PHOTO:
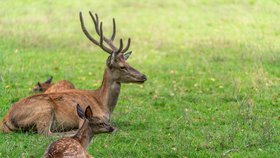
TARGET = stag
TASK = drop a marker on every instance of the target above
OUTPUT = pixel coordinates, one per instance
(55, 112)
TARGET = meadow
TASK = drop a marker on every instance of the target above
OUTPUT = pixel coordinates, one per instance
(213, 69)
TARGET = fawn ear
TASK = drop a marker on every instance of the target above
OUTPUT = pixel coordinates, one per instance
(88, 112)
(39, 84)
(80, 112)
(49, 80)
(126, 55)
(38, 87)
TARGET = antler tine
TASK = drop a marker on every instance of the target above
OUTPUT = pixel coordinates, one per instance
(101, 34)
(114, 30)
(120, 47)
(127, 46)
(101, 40)
(110, 41)
(85, 30)
(97, 29)
(95, 21)
(91, 38)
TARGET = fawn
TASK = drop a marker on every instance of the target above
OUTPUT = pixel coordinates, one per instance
(42, 87)
(48, 112)
(48, 87)
(76, 146)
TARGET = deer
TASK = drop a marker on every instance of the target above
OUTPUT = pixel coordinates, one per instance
(76, 145)
(42, 87)
(48, 87)
(47, 113)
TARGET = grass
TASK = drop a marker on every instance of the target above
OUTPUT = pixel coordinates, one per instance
(213, 72)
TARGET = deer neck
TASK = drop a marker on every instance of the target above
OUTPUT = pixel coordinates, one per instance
(84, 135)
(109, 91)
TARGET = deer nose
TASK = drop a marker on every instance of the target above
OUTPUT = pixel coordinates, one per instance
(144, 78)
(111, 129)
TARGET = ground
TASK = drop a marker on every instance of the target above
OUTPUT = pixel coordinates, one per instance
(213, 69)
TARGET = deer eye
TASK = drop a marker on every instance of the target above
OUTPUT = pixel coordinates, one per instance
(101, 124)
(122, 67)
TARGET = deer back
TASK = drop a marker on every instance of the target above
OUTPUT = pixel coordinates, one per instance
(59, 86)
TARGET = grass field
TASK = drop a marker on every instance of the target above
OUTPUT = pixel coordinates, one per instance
(213, 71)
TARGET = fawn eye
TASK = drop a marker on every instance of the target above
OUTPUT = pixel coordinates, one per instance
(122, 67)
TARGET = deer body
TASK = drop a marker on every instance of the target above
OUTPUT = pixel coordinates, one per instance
(66, 147)
(76, 146)
(56, 111)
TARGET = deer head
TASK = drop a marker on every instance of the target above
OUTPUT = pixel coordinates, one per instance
(116, 63)
(94, 123)
(41, 87)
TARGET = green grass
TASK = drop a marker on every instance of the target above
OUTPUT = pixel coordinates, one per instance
(213, 70)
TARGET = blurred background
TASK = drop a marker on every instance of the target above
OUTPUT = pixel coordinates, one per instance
(213, 71)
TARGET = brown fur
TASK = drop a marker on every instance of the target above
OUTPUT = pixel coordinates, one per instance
(60, 86)
(66, 147)
(49, 112)
(52, 88)
(76, 146)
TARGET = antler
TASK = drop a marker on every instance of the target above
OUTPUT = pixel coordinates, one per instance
(99, 31)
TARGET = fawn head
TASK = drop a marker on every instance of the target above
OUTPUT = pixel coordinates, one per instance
(42, 87)
(96, 124)
(119, 69)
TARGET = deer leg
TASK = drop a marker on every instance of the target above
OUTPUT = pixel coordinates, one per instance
(69, 133)
(64, 134)
(44, 123)
(6, 127)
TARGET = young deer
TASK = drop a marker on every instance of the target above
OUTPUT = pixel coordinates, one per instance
(48, 87)
(56, 111)
(76, 146)
(42, 87)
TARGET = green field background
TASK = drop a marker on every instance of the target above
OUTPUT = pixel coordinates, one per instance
(213, 69)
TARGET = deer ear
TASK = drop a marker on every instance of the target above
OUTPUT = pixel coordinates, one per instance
(49, 80)
(38, 87)
(80, 112)
(39, 84)
(88, 112)
(126, 55)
